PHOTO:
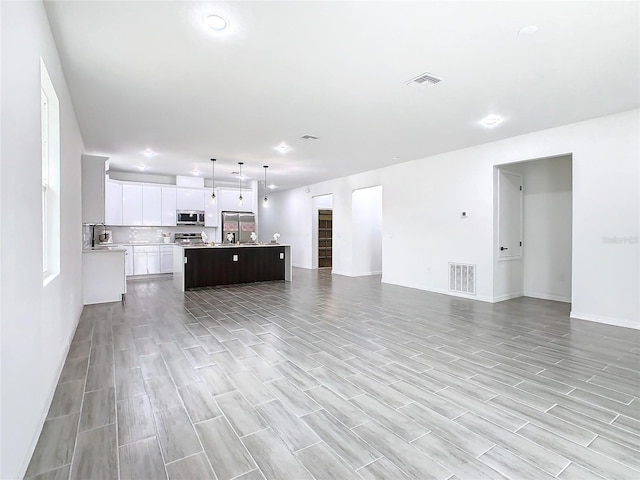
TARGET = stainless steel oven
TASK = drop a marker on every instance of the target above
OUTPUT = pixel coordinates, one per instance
(189, 217)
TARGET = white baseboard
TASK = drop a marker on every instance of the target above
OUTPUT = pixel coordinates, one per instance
(361, 274)
(618, 322)
(508, 296)
(480, 298)
(546, 296)
(52, 391)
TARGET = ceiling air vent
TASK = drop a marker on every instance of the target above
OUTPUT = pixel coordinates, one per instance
(309, 137)
(424, 79)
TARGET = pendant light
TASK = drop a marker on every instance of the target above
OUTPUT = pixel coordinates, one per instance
(240, 199)
(265, 200)
(213, 180)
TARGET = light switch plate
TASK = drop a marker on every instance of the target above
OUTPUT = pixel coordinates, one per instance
(281, 256)
(235, 258)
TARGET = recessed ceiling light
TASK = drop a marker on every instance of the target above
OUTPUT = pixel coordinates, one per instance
(528, 30)
(396, 159)
(142, 167)
(272, 186)
(491, 120)
(216, 22)
(283, 148)
(196, 172)
(149, 153)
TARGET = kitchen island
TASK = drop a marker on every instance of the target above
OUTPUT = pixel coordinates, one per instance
(208, 265)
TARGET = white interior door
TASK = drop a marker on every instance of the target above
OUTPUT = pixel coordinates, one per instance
(509, 215)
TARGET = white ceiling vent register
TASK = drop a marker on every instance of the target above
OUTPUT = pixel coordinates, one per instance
(462, 278)
(425, 79)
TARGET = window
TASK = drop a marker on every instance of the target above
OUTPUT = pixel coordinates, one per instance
(50, 133)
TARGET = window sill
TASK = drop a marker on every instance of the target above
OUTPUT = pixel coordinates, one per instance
(48, 278)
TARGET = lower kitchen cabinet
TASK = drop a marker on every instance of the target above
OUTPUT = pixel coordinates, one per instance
(128, 261)
(228, 265)
(103, 275)
(146, 259)
(166, 259)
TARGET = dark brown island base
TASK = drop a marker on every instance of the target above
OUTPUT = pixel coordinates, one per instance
(209, 266)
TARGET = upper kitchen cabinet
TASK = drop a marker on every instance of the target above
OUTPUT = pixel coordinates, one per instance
(113, 214)
(131, 204)
(93, 188)
(210, 209)
(189, 199)
(151, 205)
(169, 206)
(228, 200)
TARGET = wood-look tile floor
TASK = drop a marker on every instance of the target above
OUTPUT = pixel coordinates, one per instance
(340, 378)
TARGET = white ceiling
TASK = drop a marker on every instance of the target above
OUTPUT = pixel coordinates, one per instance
(151, 74)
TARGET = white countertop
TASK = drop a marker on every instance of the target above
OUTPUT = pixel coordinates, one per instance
(142, 244)
(242, 245)
(104, 248)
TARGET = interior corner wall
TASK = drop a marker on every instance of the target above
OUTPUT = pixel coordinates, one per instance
(37, 322)
(366, 222)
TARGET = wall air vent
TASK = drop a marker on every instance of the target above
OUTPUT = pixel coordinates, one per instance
(462, 278)
(309, 137)
(425, 79)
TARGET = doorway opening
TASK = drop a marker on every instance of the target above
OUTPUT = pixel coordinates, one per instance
(322, 249)
(325, 236)
(533, 229)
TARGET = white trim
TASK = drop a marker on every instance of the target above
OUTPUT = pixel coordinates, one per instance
(361, 274)
(548, 296)
(508, 296)
(618, 322)
(480, 298)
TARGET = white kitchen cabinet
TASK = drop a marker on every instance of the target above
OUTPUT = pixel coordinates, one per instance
(166, 259)
(189, 199)
(153, 261)
(113, 215)
(128, 261)
(93, 174)
(168, 206)
(211, 217)
(132, 204)
(228, 200)
(146, 259)
(151, 205)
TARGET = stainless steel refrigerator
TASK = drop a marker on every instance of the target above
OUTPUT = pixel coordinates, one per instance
(238, 226)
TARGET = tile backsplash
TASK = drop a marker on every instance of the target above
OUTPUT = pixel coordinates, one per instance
(143, 234)
(154, 234)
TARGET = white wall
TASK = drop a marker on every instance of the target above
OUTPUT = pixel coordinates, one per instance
(366, 222)
(37, 321)
(547, 228)
(430, 193)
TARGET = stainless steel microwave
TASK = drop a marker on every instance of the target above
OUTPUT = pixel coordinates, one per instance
(189, 217)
